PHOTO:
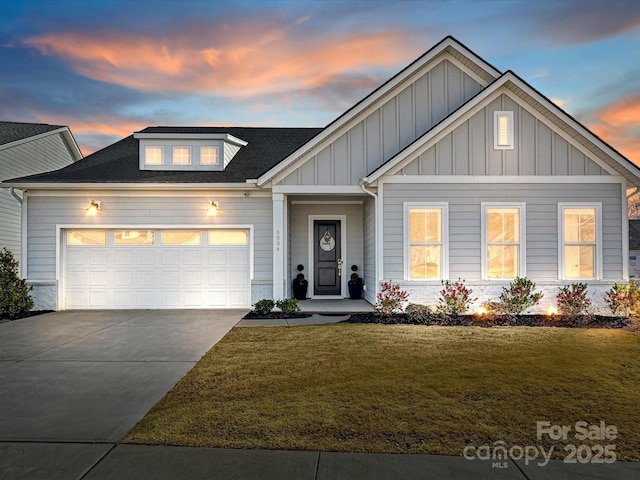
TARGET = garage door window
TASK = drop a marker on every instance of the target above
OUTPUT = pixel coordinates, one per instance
(228, 237)
(87, 237)
(181, 237)
(133, 237)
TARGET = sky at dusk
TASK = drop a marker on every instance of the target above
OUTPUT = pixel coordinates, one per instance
(107, 68)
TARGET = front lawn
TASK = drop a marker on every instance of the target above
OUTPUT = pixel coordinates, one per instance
(402, 389)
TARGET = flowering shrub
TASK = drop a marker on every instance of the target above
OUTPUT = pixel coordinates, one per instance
(572, 300)
(390, 300)
(519, 297)
(455, 298)
(623, 299)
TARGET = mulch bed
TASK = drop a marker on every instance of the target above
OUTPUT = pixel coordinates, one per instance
(581, 321)
(24, 315)
(274, 315)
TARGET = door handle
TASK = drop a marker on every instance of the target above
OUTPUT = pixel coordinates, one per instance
(339, 267)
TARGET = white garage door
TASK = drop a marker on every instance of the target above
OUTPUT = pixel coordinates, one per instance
(156, 268)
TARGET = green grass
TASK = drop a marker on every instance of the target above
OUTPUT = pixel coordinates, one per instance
(401, 389)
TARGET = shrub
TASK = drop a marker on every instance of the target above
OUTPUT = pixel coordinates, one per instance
(572, 300)
(288, 305)
(519, 297)
(15, 294)
(420, 314)
(390, 300)
(455, 298)
(623, 299)
(264, 306)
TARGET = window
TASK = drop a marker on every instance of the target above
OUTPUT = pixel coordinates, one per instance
(503, 241)
(579, 241)
(153, 156)
(208, 155)
(181, 156)
(133, 237)
(426, 231)
(503, 130)
(228, 237)
(87, 237)
(181, 237)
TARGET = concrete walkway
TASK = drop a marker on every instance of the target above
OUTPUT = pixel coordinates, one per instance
(73, 383)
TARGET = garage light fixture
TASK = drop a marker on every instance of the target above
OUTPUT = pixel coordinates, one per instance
(94, 207)
(213, 208)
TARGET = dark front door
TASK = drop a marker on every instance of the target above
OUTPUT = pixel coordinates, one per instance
(326, 257)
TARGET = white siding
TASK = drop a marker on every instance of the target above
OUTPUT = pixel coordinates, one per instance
(36, 156)
(45, 212)
(468, 149)
(541, 228)
(388, 129)
(369, 250)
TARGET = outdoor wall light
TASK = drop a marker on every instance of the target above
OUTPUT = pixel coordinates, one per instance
(213, 208)
(94, 207)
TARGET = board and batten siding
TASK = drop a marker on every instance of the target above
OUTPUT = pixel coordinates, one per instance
(36, 156)
(46, 212)
(300, 245)
(465, 216)
(388, 129)
(468, 149)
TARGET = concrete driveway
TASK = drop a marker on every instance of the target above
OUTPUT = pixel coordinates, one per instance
(83, 379)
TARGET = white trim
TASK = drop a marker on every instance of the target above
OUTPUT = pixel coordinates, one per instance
(327, 202)
(406, 241)
(64, 131)
(522, 244)
(343, 253)
(504, 179)
(598, 274)
(380, 236)
(279, 257)
(497, 115)
(61, 245)
(625, 232)
(142, 190)
(24, 225)
(373, 101)
(317, 189)
(191, 136)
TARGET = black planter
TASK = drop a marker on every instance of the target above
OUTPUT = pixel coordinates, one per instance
(355, 289)
(300, 286)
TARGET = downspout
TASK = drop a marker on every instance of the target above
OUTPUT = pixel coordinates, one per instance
(376, 231)
(16, 196)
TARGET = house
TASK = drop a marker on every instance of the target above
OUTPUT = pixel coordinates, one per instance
(634, 249)
(451, 169)
(26, 149)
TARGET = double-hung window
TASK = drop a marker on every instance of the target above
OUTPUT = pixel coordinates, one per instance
(503, 239)
(580, 244)
(426, 241)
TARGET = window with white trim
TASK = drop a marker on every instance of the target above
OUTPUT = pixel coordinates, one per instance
(426, 235)
(503, 130)
(153, 155)
(181, 156)
(503, 241)
(580, 244)
(208, 155)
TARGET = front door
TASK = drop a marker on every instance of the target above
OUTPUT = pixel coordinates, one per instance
(326, 256)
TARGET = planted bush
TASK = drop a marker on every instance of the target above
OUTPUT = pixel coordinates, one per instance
(455, 298)
(264, 306)
(421, 314)
(572, 300)
(518, 298)
(623, 299)
(15, 294)
(288, 305)
(390, 300)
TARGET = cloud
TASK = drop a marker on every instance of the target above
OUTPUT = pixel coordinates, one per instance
(619, 125)
(231, 60)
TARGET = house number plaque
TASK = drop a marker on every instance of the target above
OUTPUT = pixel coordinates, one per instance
(327, 242)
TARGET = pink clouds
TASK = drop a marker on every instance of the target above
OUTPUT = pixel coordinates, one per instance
(225, 60)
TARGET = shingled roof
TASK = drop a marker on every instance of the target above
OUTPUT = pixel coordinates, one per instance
(14, 131)
(119, 163)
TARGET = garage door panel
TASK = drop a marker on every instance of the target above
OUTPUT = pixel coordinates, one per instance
(156, 275)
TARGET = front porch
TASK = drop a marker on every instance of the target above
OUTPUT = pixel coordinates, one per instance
(335, 307)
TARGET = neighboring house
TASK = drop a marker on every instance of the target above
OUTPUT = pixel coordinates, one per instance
(451, 169)
(26, 149)
(634, 249)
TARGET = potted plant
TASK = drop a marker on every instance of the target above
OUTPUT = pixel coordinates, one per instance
(300, 285)
(355, 284)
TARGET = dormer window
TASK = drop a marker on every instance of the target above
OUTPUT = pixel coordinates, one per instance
(503, 130)
(181, 156)
(153, 156)
(208, 155)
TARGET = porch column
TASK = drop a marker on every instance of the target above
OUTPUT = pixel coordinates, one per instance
(278, 246)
